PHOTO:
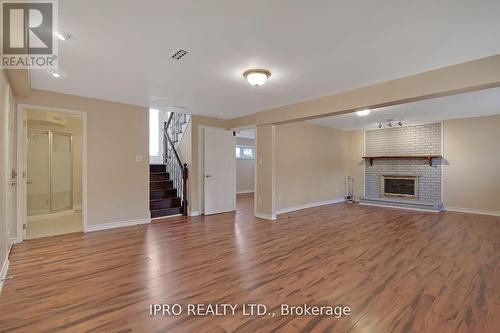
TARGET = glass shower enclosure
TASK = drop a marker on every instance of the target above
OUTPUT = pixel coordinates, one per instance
(50, 172)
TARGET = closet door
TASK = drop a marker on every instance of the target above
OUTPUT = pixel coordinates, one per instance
(62, 172)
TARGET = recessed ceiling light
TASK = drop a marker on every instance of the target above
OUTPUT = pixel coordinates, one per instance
(61, 35)
(257, 77)
(363, 112)
(55, 74)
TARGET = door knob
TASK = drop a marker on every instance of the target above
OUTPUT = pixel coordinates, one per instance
(208, 176)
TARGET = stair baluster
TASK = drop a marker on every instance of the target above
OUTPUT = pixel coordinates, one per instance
(178, 170)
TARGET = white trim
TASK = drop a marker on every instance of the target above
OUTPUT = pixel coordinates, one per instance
(22, 212)
(194, 213)
(243, 192)
(442, 160)
(164, 217)
(3, 273)
(21, 183)
(265, 216)
(400, 207)
(309, 205)
(364, 165)
(118, 224)
(473, 211)
(50, 216)
(255, 166)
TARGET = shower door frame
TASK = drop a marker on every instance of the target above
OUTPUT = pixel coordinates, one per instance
(71, 171)
(22, 150)
(50, 175)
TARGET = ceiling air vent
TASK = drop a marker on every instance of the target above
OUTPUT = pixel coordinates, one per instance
(179, 54)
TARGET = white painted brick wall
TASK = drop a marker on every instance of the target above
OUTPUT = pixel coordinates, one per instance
(410, 140)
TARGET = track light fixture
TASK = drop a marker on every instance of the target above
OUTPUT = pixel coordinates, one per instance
(389, 123)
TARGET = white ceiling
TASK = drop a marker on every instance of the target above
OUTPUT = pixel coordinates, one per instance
(121, 49)
(472, 104)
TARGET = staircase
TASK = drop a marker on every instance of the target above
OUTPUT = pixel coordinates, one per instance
(168, 181)
(163, 199)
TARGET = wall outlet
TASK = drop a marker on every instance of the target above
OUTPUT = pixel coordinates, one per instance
(138, 158)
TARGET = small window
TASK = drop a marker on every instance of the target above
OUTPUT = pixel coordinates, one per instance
(245, 152)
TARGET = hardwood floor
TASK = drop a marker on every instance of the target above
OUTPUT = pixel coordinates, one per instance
(398, 271)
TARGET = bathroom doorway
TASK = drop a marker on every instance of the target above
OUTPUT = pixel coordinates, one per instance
(54, 176)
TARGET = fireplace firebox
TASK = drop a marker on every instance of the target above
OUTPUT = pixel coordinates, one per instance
(399, 186)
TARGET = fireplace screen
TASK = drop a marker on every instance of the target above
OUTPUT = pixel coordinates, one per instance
(400, 186)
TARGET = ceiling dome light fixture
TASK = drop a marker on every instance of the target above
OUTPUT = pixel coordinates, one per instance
(257, 77)
(363, 112)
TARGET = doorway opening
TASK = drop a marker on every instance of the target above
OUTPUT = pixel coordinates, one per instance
(245, 170)
(54, 169)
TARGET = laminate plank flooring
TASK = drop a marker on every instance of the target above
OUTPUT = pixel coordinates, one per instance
(397, 270)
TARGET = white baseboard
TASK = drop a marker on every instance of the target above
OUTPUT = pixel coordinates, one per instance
(194, 213)
(400, 207)
(310, 205)
(118, 224)
(50, 216)
(473, 211)
(13, 240)
(265, 216)
(164, 217)
(244, 192)
(3, 273)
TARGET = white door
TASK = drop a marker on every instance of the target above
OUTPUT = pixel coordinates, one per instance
(219, 163)
(11, 174)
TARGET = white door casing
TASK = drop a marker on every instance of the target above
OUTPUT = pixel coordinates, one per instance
(12, 174)
(219, 171)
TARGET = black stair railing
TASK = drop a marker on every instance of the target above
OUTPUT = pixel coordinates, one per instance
(178, 171)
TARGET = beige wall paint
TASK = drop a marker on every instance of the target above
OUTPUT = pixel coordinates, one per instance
(195, 192)
(355, 163)
(310, 164)
(185, 146)
(118, 186)
(265, 183)
(245, 169)
(20, 81)
(472, 159)
(472, 163)
(243, 121)
(74, 126)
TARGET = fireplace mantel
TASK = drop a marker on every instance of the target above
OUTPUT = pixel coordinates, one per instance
(403, 157)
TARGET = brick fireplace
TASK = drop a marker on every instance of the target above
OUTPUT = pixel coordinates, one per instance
(406, 176)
